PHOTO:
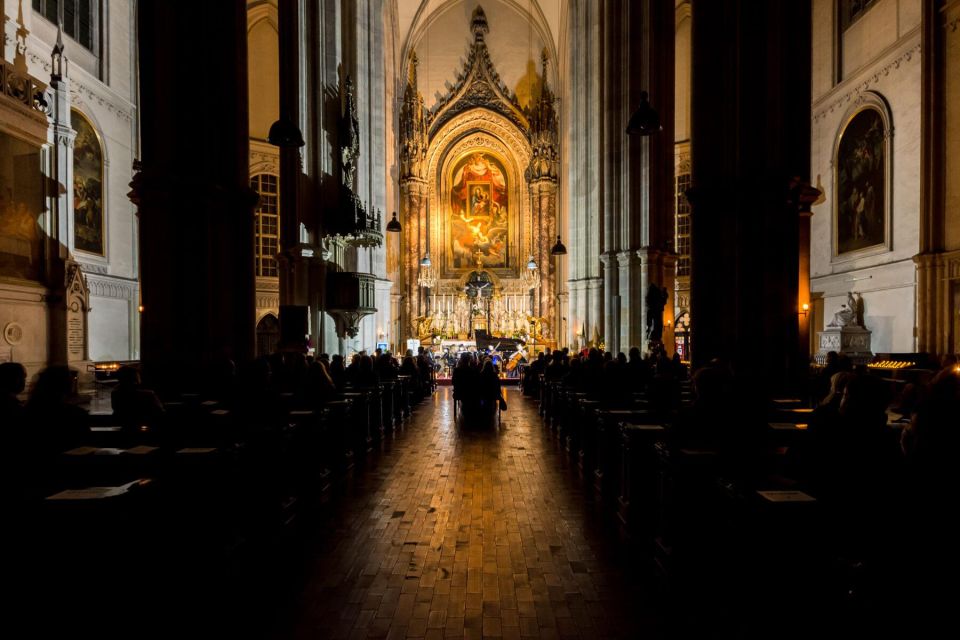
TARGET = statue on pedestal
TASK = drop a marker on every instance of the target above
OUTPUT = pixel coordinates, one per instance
(656, 299)
(850, 313)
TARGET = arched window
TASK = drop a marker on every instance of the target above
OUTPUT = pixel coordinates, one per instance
(267, 224)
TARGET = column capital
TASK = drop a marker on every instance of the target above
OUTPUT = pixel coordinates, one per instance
(608, 258)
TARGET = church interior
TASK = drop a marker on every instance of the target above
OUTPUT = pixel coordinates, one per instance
(480, 318)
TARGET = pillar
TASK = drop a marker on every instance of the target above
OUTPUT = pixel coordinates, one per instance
(750, 139)
(194, 202)
(638, 227)
(294, 269)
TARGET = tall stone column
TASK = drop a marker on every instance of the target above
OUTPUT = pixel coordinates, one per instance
(634, 278)
(639, 46)
(751, 141)
(938, 263)
(544, 210)
(413, 198)
(413, 194)
(192, 192)
(542, 174)
(611, 301)
(294, 269)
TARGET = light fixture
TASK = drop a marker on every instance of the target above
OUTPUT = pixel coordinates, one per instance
(804, 309)
(531, 275)
(285, 134)
(558, 249)
(427, 277)
(645, 121)
(394, 225)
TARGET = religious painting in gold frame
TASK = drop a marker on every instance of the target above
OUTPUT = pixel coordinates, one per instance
(862, 182)
(87, 187)
(478, 203)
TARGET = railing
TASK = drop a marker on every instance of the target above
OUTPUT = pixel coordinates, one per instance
(23, 89)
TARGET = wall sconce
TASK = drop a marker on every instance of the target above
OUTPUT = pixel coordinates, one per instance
(804, 310)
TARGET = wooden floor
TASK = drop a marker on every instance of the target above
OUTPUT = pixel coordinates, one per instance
(485, 531)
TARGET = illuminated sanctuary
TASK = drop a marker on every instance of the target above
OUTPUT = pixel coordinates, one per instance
(692, 266)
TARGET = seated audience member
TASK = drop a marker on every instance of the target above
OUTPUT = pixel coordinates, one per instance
(133, 405)
(13, 380)
(338, 372)
(719, 419)
(55, 423)
(465, 381)
(491, 393)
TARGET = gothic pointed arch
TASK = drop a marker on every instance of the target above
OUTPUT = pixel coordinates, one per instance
(478, 85)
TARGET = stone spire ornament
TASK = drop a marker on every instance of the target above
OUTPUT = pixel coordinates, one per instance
(413, 126)
(542, 133)
(350, 137)
(20, 50)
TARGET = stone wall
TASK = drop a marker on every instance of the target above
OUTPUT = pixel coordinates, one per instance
(880, 53)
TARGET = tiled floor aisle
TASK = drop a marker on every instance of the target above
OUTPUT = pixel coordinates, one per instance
(469, 533)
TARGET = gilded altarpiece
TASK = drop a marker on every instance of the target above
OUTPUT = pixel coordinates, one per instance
(483, 170)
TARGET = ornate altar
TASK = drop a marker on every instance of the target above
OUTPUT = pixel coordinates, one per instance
(478, 177)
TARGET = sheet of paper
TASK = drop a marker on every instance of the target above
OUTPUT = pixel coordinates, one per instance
(92, 493)
(197, 450)
(80, 451)
(787, 496)
(141, 450)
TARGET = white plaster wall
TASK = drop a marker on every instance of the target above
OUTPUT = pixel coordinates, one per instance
(889, 300)
(111, 341)
(24, 305)
(109, 104)
(894, 72)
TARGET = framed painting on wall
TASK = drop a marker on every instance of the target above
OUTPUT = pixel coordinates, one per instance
(87, 186)
(862, 182)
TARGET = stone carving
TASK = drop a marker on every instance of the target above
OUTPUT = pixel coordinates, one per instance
(478, 85)
(845, 315)
(13, 333)
(655, 299)
(109, 289)
(78, 305)
(857, 302)
(349, 137)
(858, 90)
(830, 341)
(542, 117)
(413, 127)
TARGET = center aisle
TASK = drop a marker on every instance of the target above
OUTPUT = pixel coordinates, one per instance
(468, 532)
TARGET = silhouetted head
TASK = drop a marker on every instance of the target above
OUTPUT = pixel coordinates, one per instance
(13, 378)
(128, 375)
(54, 386)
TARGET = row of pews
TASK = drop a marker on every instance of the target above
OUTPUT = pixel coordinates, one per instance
(735, 546)
(188, 525)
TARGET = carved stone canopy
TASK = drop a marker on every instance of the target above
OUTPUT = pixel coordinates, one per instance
(478, 85)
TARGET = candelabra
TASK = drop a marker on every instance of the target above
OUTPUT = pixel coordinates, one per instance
(427, 278)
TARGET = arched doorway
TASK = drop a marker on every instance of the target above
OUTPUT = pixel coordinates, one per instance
(268, 335)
